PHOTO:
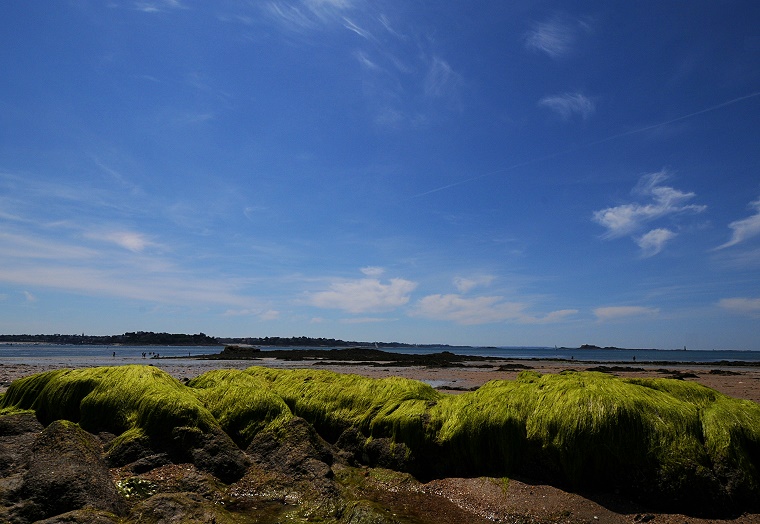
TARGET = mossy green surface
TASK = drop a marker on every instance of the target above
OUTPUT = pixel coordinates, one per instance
(332, 402)
(242, 404)
(583, 429)
(136, 400)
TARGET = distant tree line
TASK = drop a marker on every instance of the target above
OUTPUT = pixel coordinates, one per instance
(148, 338)
(135, 338)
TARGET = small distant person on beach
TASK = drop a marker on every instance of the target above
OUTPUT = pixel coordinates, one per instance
(114, 354)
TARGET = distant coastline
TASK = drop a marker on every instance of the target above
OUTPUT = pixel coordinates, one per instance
(149, 338)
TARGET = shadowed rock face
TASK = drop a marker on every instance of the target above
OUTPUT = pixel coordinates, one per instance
(65, 472)
(211, 451)
(17, 435)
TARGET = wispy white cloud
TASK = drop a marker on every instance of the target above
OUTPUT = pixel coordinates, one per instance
(131, 240)
(745, 228)
(366, 62)
(270, 314)
(129, 282)
(399, 69)
(373, 271)
(386, 23)
(481, 310)
(628, 219)
(290, 16)
(68, 246)
(261, 314)
(324, 8)
(364, 295)
(568, 105)
(654, 241)
(29, 297)
(441, 80)
(464, 285)
(742, 306)
(619, 312)
(308, 15)
(364, 320)
(28, 247)
(739, 259)
(353, 27)
(157, 6)
(555, 37)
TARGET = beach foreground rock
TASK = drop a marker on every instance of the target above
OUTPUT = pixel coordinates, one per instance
(259, 444)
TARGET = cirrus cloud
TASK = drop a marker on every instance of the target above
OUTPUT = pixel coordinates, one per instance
(556, 36)
(568, 105)
(745, 228)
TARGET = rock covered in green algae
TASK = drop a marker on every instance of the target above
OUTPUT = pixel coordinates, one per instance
(663, 441)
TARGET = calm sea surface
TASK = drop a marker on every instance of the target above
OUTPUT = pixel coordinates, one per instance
(18, 353)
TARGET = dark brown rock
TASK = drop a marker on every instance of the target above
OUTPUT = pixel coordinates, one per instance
(376, 452)
(294, 449)
(212, 451)
(83, 516)
(17, 433)
(65, 473)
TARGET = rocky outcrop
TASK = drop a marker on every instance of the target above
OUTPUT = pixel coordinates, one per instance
(292, 440)
(376, 452)
(65, 472)
(211, 451)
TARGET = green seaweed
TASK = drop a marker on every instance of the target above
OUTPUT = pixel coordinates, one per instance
(242, 404)
(662, 437)
(124, 400)
(332, 402)
(585, 429)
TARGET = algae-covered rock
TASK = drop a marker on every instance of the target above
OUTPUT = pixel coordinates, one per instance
(673, 443)
(65, 473)
(148, 410)
(241, 403)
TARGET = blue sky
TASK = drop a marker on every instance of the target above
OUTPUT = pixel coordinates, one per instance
(488, 173)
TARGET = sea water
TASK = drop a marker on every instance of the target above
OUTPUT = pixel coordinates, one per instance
(100, 354)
